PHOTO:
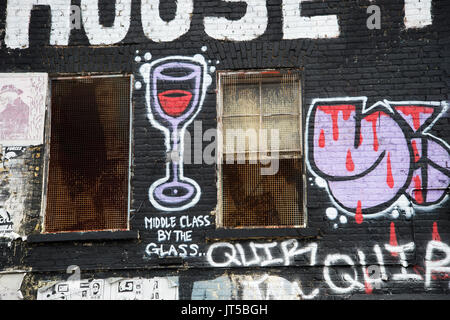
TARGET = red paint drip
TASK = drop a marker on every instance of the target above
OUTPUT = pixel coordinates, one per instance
(334, 112)
(415, 151)
(350, 165)
(414, 112)
(436, 236)
(418, 189)
(389, 176)
(360, 139)
(322, 139)
(393, 239)
(359, 216)
(367, 286)
(374, 119)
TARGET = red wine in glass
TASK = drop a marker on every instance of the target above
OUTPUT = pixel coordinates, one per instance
(176, 90)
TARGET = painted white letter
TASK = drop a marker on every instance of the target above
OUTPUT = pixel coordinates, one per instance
(417, 13)
(158, 30)
(400, 250)
(18, 15)
(100, 35)
(332, 259)
(437, 265)
(251, 26)
(296, 26)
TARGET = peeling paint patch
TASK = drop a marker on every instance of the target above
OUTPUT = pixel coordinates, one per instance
(10, 286)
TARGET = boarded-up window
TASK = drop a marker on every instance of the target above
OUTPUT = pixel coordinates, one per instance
(260, 122)
(89, 155)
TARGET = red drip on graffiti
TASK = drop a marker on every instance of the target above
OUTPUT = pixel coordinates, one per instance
(360, 139)
(350, 165)
(389, 176)
(436, 236)
(393, 239)
(334, 112)
(367, 286)
(414, 112)
(322, 139)
(374, 119)
(415, 151)
(359, 216)
(418, 189)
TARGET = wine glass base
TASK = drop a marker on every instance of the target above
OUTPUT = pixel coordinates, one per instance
(174, 195)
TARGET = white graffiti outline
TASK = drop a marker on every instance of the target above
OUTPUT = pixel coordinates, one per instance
(145, 71)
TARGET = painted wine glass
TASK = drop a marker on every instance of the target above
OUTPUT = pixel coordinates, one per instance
(175, 92)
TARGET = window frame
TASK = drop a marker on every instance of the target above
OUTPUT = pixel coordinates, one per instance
(220, 152)
(46, 162)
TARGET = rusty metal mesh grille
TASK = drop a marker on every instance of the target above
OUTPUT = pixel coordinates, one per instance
(89, 155)
(256, 105)
(254, 200)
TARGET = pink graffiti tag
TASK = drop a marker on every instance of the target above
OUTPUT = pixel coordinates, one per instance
(370, 157)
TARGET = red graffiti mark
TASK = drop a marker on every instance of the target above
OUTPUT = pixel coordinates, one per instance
(436, 236)
(322, 139)
(174, 102)
(350, 165)
(414, 112)
(419, 270)
(374, 119)
(334, 112)
(393, 239)
(389, 176)
(418, 189)
(359, 216)
(367, 286)
(360, 139)
(415, 151)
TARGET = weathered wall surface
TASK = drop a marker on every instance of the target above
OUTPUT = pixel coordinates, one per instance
(377, 201)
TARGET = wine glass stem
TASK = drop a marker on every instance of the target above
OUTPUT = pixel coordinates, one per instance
(174, 167)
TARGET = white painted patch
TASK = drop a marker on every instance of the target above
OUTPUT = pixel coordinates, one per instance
(148, 56)
(251, 26)
(395, 214)
(99, 34)
(322, 183)
(296, 26)
(343, 219)
(331, 213)
(138, 59)
(159, 30)
(138, 85)
(418, 13)
(204, 48)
